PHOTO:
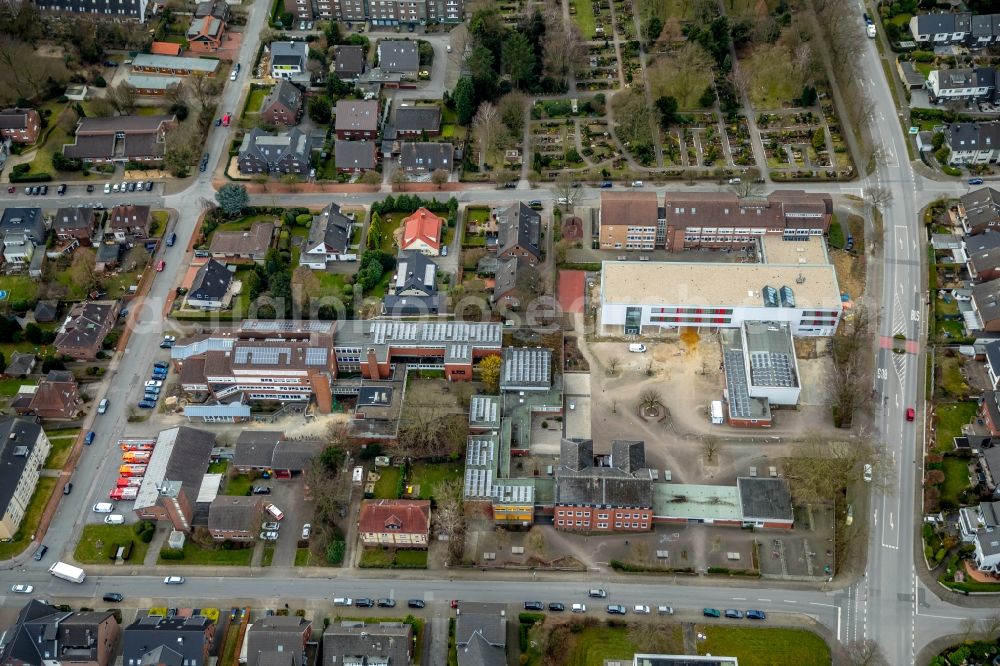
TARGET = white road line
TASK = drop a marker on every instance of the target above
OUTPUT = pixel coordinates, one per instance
(789, 601)
(739, 598)
(767, 600)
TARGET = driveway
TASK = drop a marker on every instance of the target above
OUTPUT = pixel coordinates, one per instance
(286, 494)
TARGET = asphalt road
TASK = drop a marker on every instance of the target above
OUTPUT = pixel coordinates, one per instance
(888, 604)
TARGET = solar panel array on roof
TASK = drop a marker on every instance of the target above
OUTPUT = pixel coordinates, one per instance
(787, 297)
(285, 325)
(526, 368)
(739, 392)
(772, 369)
(480, 452)
(263, 355)
(391, 331)
(483, 409)
(478, 482)
(316, 355)
(511, 493)
(770, 295)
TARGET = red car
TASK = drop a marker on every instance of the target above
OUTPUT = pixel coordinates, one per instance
(454, 603)
(911, 413)
(11, 189)
(160, 266)
(226, 119)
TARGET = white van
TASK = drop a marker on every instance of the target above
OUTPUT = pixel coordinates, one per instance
(637, 349)
(104, 507)
(114, 519)
(275, 511)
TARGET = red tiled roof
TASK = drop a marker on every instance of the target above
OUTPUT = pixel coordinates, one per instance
(423, 225)
(397, 516)
(165, 48)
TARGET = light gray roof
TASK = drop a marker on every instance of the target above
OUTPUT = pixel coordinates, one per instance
(152, 82)
(289, 53)
(526, 369)
(398, 56)
(418, 118)
(150, 60)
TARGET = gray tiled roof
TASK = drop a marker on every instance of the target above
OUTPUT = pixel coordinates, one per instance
(580, 482)
(349, 62)
(211, 282)
(19, 437)
(398, 56)
(519, 225)
(427, 155)
(331, 229)
(285, 93)
(355, 154)
(387, 640)
(418, 118)
(986, 297)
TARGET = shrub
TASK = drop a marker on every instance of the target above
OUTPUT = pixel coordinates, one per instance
(172, 554)
(335, 551)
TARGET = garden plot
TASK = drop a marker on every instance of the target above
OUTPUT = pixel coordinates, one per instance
(738, 134)
(624, 20)
(553, 142)
(596, 139)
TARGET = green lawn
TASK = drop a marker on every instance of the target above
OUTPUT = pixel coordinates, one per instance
(303, 558)
(331, 283)
(924, 68)
(9, 387)
(428, 475)
(255, 100)
(412, 558)
(43, 491)
(218, 467)
(267, 557)
(195, 554)
(385, 487)
(160, 219)
(953, 384)
(239, 485)
(61, 447)
(595, 644)
(950, 419)
(63, 432)
(390, 223)
(375, 558)
(956, 479)
(477, 214)
(973, 586)
(757, 646)
(19, 287)
(950, 329)
(91, 549)
(244, 223)
(585, 18)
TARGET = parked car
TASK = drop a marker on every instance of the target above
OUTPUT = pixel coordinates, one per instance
(61, 190)
(364, 602)
(12, 189)
(149, 186)
(89, 439)
(640, 609)
(160, 265)
(40, 553)
(535, 203)
(306, 531)
(607, 184)
(45, 189)
(637, 348)
(90, 189)
(270, 526)
(146, 404)
(975, 181)
(343, 601)
(534, 606)
(415, 603)
(734, 614)
(268, 536)
(711, 612)
(22, 589)
(867, 474)
(171, 239)
(102, 406)
(107, 188)
(617, 609)
(579, 608)
(665, 610)
(68, 488)
(756, 615)
(386, 603)
(262, 490)
(173, 580)
(161, 364)
(153, 390)
(154, 383)
(556, 606)
(114, 597)
(597, 593)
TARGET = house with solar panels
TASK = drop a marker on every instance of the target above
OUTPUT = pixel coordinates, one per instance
(761, 372)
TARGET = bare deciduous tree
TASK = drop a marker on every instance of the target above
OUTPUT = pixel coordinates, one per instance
(878, 197)
(613, 364)
(428, 428)
(650, 399)
(487, 126)
(709, 447)
(439, 177)
(449, 517)
(849, 366)
(865, 652)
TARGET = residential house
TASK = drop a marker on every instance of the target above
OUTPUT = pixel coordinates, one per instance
(17, 250)
(613, 497)
(329, 239)
(941, 28)
(980, 525)
(235, 518)
(20, 364)
(151, 85)
(426, 157)
(278, 639)
(215, 8)
(982, 255)
(175, 641)
(629, 220)
(395, 523)
(57, 396)
(74, 226)
(43, 634)
(418, 121)
(356, 119)
(24, 447)
(127, 222)
(961, 85)
(28, 221)
(266, 153)
(422, 232)
(398, 56)
(212, 287)
(979, 210)
(986, 305)
(288, 61)
(973, 143)
(118, 10)
(269, 451)
(519, 233)
(349, 63)
(355, 156)
(205, 34)
(149, 63)
(413, 290)
(354, 643)
(109, 256)
(120, 139)
(243, 247)
(987, 551)
(45, 312)
(506, 294)
(481, 634)
(283, 104)
(87, 324)
(170, 488)
(20, 125)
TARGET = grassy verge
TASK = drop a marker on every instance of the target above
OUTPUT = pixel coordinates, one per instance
(303, 558)
(268, 555)
(973, 586)
(384, 558)
(93, 544)
(195, 554)
(764, 647)
(43, 491)
(61, 447)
